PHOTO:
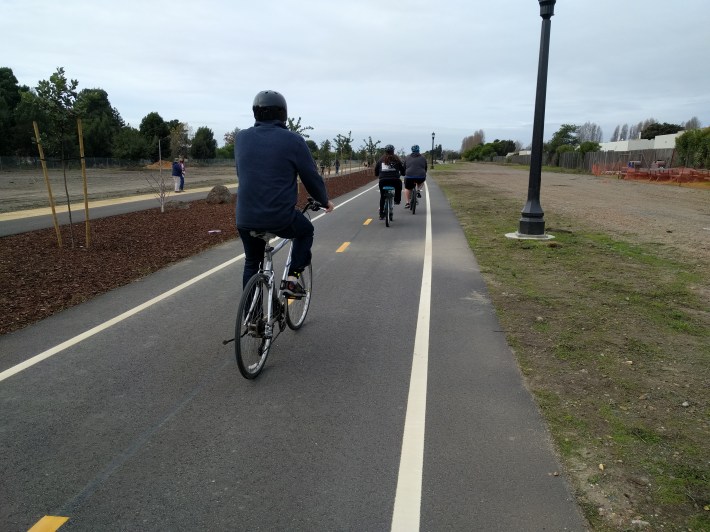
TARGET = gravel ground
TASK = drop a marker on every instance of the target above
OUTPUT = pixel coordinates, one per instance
(672, 215)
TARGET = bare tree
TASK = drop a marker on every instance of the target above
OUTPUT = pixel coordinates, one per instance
(589, 132)
(158, 184)
(159, 187)
(624, 135)
(615, 135)
(478, 137)
(693, 123)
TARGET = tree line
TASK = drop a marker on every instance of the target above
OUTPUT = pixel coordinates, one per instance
(692, 147)
(55, 104)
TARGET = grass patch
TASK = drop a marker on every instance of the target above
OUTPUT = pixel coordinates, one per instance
(613, 339)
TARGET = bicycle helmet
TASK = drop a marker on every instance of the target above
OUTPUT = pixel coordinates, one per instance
(270, 105)
(415, 148)
(389, 148)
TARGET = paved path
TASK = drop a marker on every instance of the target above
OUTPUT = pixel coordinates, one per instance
(398, 405)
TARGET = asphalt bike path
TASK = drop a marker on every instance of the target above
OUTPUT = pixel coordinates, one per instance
(383, 412)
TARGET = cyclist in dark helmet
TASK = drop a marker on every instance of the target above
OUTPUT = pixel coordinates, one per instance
(389, 168)
(415, 168)
(269, 159)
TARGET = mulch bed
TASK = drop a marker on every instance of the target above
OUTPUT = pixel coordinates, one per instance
(37, 278)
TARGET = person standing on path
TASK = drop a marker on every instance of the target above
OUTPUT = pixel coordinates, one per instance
(182, 174)
(269, 158)
(177, 174)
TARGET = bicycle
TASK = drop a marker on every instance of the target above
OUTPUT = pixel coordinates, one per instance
(264, 310)
(414, 193)
(388, 192)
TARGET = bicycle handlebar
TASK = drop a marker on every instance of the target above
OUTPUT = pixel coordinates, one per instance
(311, 205)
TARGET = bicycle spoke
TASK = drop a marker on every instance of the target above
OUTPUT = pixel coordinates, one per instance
(252, 344)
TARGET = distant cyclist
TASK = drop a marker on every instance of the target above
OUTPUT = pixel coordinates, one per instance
(415, 168)
(269, 158)
(389, 169)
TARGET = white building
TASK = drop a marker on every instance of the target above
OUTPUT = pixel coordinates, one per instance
(661, 142)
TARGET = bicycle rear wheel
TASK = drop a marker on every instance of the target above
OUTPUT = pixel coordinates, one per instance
(387, 210)
(296, 309)
(251, 344)
(413, 202)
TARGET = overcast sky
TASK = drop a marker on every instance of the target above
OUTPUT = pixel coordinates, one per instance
(394, 71)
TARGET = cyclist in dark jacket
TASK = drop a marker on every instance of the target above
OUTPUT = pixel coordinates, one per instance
(415, 168)
(388, 169)
(269, 158)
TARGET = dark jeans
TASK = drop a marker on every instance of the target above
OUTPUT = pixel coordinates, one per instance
(301, 230)
(390, 182)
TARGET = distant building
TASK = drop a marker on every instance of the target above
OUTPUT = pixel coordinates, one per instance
(661, 142)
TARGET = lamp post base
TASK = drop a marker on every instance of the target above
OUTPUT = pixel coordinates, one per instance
(520, 236)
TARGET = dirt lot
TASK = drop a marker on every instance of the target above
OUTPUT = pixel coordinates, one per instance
(26, 189)
(671, 215)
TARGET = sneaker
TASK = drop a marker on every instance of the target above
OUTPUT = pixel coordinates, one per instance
(293, 290)
(391, 216)
(406, 205)
(419, 194)
(382, 216)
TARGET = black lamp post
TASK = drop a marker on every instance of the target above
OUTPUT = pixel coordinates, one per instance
(532, 222)
(432, 149)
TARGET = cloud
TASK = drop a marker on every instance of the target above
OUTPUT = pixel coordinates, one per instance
(394, 71)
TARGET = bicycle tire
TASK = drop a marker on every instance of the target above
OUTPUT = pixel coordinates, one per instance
(296, 309)
(251, 347)
(387, 211)
(413, 202)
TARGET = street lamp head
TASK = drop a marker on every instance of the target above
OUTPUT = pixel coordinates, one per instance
(547, 8)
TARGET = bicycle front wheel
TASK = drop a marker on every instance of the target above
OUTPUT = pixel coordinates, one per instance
(296, 309)
(251, 341)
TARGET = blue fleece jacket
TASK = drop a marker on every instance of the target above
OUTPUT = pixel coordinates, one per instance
(269, 158)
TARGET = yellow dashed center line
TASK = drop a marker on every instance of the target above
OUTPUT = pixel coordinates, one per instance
(49, 523)
(343, 247)
(367, 222)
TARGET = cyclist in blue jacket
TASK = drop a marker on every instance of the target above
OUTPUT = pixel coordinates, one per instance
(269, 159)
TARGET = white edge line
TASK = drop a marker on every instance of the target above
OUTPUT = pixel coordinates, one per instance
(131, 312)
(408, 498)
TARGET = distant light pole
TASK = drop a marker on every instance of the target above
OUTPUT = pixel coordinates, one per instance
(532, 222)
(432, 148)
